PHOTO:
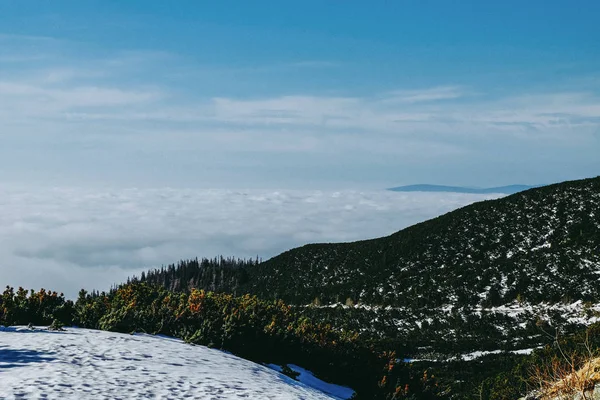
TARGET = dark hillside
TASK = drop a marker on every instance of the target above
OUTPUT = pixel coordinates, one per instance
(539, 245)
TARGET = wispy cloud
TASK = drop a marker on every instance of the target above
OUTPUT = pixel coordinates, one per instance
(425, 95)
(407, 111)
(313, 64)
(17, 38)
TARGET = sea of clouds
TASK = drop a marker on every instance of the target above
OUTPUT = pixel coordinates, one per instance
(66, 239)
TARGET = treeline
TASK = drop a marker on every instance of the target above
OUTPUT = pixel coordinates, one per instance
(219, 274)
(262, 331)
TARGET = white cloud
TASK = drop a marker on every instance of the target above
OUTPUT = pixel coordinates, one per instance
(313, 64)
(405, 112)
(73, 98)
(425, 95)
(72, 238)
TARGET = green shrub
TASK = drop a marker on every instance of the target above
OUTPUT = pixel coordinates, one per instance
(259, 330)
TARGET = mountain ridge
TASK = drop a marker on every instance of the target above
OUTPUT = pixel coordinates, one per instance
(508, 189)
(459, 241)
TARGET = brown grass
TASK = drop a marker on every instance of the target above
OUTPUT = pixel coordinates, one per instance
(568, 375)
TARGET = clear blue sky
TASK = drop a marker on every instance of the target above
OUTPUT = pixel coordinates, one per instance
(298, 94)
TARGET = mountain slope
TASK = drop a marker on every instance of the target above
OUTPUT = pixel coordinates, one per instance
(510, 189)
(540, 245)
(88, 364)
(491, 279)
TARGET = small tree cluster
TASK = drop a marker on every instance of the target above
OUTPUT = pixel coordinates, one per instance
(37, 308)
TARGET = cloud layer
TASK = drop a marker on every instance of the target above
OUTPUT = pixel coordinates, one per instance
(71, 238)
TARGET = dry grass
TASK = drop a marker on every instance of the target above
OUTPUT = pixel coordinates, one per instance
(560, 381)
(568, 375)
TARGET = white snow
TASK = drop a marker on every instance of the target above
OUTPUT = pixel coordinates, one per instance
(477, 354)
(307, 377)
(89, 364)
(471, 356)
(546, 245)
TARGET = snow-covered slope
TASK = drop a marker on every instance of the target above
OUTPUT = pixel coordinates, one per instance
(307, 377)
(89, 364)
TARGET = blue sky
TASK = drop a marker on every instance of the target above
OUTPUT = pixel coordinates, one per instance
(312, 94)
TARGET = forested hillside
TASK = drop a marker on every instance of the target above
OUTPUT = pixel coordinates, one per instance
(538, 245)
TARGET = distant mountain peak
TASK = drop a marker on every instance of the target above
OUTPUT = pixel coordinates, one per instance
(509, 189)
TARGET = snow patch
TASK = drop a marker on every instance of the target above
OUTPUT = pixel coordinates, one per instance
(308, 378)
(89, 364)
